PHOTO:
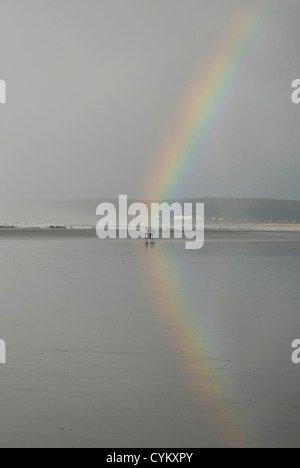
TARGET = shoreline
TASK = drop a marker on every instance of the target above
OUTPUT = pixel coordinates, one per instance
(210, 234)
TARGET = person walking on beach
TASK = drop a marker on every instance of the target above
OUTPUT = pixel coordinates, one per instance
(149, 232)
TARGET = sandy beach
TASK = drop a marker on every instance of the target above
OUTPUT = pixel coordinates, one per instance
(105, 348)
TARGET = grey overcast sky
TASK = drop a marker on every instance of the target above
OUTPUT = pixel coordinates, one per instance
(93, 84)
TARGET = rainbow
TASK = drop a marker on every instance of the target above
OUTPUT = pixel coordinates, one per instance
(201, 107)
(186, 331)
(185, 145)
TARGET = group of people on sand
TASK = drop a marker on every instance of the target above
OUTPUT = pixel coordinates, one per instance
(149, 233)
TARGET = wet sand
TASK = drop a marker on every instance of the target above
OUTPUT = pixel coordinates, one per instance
(133, 344)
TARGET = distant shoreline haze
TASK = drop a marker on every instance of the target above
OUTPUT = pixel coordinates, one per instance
(82, 213)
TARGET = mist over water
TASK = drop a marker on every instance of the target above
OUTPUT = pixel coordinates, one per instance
(83, 212)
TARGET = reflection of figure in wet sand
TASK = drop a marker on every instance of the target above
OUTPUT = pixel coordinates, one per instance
(151, 244)
(149, 237)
